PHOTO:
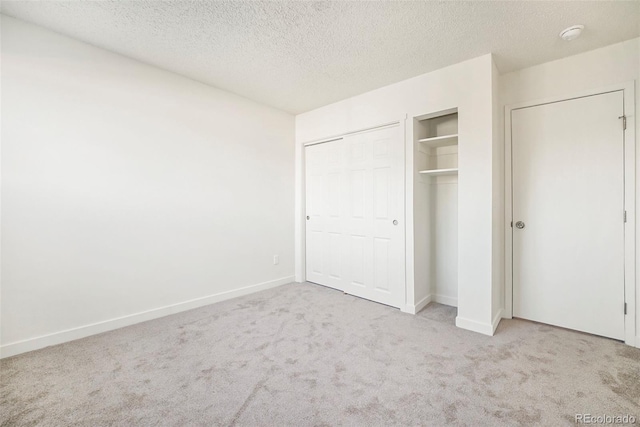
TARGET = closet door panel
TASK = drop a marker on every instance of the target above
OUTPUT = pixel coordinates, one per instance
(324, 211)
(334, 247)
(314, 167)
(374, 193)
(381, 254)
(356, 265)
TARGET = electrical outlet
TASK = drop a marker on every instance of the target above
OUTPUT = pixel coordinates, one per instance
(276, 259)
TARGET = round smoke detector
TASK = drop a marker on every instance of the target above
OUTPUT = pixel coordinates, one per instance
(571, 33)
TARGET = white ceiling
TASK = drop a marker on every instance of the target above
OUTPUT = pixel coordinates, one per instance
(299, 55)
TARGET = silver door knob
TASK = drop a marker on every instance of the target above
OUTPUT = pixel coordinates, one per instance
(395, 222)
(308, 217)
(520, 224)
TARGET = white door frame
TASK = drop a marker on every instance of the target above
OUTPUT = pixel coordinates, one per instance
(628, 90)
(301, 260)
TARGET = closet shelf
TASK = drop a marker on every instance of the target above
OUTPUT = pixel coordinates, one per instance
(440, 141)
(437, 172)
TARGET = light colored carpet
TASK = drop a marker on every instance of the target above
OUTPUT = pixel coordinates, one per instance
(305, 355)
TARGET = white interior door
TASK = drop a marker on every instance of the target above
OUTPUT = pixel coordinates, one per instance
(568, 194)
(374, 222)
(324, 209)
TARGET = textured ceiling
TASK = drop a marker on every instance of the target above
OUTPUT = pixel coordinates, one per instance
(299, 55)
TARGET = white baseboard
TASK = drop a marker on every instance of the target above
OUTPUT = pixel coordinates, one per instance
(422, 304)
(472, 325)
(31, 344)
(442, 299)
(496, 320)
(413, 309)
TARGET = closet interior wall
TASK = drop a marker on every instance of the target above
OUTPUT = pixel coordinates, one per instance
(436, 204)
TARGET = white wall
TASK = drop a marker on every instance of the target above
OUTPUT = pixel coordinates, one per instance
(128, 190)
(600, 68)
(444, 240)
(594, 69)
(468, 87)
